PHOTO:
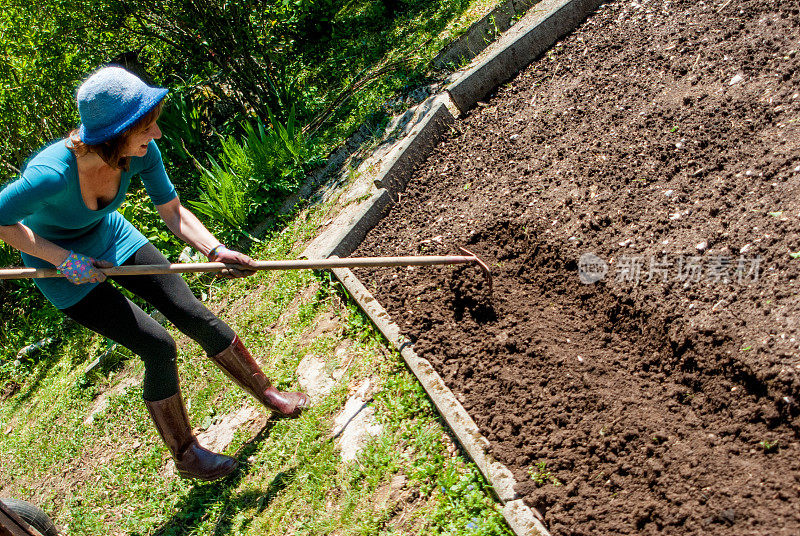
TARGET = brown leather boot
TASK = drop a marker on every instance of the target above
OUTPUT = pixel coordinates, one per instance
(240, 366)
(191, 460)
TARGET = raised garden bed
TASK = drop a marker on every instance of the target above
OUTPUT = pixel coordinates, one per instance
(664, 139)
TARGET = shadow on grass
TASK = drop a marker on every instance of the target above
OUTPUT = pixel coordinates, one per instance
(256, 500)
(368, 33)
(29, 382)
(46, 362)
(195, 507)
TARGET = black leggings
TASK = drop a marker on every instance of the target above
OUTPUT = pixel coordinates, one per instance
(106, 311)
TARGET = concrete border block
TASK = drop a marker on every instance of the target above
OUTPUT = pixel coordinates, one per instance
(536, 32)
(481, 34)
(523, 520)
(348, 230)
(463, 426)
(477, 37)
(521, 6)
(416, 146)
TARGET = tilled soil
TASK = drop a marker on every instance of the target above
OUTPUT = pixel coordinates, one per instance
(653, 386)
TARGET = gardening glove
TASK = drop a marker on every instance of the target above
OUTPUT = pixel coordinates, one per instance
(229, 256)
(80, 269)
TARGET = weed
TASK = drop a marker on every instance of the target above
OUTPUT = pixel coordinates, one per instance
(541, 475)
(357, 324)
(768, 446)
(658, 439)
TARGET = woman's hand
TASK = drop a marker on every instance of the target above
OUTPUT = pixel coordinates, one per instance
(188, 228)
(80, 269)
(229, 256)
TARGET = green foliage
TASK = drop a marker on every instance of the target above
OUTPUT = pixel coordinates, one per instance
(140, 211)
(357, 325)
(253, 175)
(541, 475)
(217, 37)
(466, 509)
(224, 188)
(46, 47)
(182, 125)
(768, 446)
(403, 397)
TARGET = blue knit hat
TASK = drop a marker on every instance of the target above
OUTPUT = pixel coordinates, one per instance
(111, 100)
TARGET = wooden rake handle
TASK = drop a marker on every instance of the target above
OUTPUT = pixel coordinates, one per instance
(352, 262)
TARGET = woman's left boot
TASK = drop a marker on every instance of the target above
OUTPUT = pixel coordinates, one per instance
(191, 459)
(240, 366)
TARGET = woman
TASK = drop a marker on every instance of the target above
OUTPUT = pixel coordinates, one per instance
(62, 212)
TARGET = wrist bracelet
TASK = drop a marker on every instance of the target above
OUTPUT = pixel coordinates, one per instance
(214, 249)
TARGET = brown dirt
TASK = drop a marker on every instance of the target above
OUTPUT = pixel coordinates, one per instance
(660, 133)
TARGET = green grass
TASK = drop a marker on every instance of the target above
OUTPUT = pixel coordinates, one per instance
(107, 476)
(365, 36)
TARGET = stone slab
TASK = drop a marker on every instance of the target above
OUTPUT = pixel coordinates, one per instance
(355, 426)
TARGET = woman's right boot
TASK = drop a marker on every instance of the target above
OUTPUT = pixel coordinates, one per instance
(191, 460)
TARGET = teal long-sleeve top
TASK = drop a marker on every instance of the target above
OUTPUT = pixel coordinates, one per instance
(47, 199)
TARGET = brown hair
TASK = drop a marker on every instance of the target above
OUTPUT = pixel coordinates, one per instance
(110, 150)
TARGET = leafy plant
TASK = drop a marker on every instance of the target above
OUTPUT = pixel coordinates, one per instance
(139, 210)
(541, 475)
(223, 191)
(251, 176)
(181, 123)
(768, 446)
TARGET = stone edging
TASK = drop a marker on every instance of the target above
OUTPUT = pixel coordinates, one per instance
(523, 520)
(541, 27)
(531, 36)
(481, 33)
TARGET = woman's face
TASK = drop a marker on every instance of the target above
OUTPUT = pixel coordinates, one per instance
(137, 142)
